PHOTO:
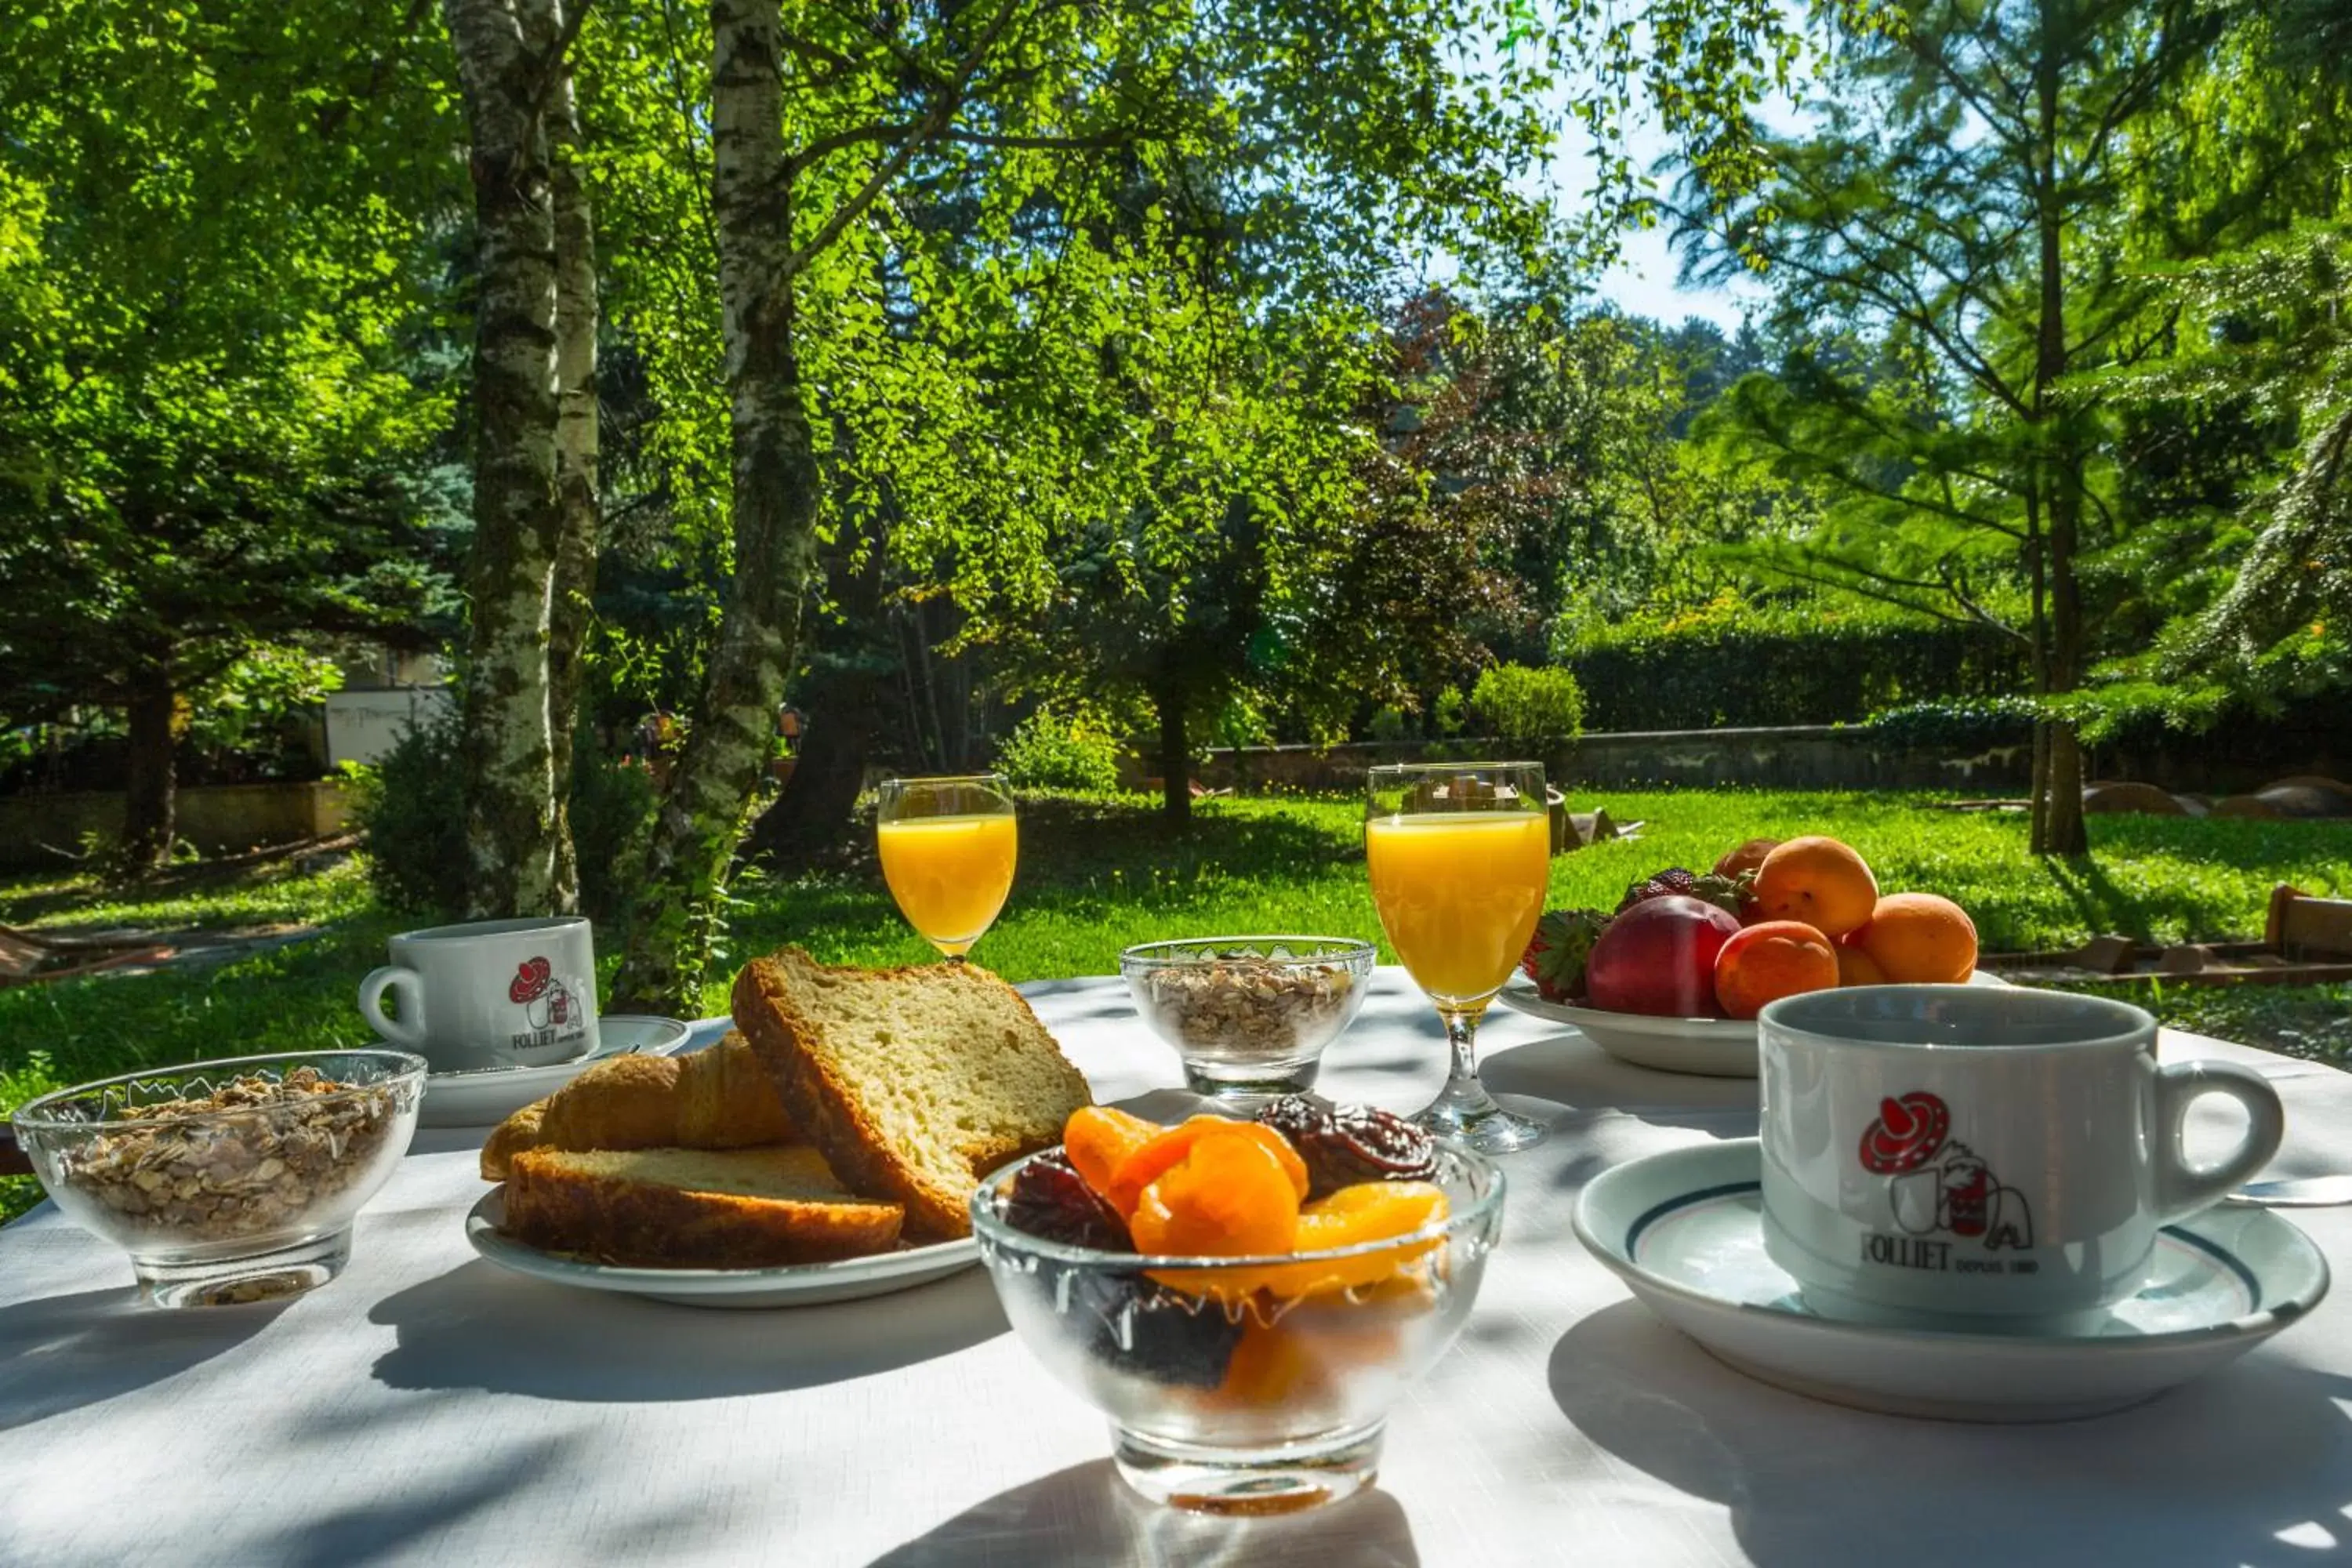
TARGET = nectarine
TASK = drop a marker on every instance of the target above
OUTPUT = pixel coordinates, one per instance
(1771, 960)
(1819, 882)
(1921, 939)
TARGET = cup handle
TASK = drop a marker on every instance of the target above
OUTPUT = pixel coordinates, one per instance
(2181, 1190)
(408, 1029)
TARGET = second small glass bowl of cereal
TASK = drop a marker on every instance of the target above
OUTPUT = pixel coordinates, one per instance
(227, 1181)
(1249, 1016)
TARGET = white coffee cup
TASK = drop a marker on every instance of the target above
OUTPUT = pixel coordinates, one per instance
(489, 993)
(1981, 1157)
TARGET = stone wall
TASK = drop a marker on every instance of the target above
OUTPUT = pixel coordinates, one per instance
(1811, 757)
(218, 819)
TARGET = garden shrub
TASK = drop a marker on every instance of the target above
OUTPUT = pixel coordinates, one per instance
(1050, 750)
(1527, 706)
(411, 804)
(1731, 663)
(1958, 724)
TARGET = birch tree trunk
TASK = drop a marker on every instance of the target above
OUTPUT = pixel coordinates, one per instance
(507, 746)
(571, 598)
(704, 810)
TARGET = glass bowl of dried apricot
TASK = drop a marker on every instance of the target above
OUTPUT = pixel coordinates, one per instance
(1244, 1300)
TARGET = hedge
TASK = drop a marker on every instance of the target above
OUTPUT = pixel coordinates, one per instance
(1730, 665)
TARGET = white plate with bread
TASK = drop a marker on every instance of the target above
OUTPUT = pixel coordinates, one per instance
(825, 1149)
(484, 1097)
(789, 1285)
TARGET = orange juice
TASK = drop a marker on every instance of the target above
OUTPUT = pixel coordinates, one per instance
(950, 874)
(1458, 893)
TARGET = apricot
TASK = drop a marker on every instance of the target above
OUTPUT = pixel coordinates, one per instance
(1749, 856)
(1819, 882)
(1229, 1197)
(1099, 1137)
(1368, 1211)
(1144, 1164)
(1771, 960)
(1364, 1212)
(1921, 939)
(1856, 967)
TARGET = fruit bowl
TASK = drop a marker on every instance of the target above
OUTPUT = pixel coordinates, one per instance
(227, 1181)
(1256, 1385)
(1709, 1047)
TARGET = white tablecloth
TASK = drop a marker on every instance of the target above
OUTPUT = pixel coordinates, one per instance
(427, 1407)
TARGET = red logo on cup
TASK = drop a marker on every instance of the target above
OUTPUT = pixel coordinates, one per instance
(532, 979)
(1906, 1134)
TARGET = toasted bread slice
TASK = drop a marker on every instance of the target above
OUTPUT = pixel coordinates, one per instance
(913, 1082)
(693, 1208)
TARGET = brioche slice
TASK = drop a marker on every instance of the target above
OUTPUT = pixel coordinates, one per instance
(692, 1208)
(719, 1098)
(912, 1082)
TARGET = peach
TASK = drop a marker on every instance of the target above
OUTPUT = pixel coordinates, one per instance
(1749, 856)
(1771, 960)
(1819, 882)
(1921, 939)
(1856, 967)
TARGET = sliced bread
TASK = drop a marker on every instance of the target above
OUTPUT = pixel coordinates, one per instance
(913, 1082)
(692, 1208)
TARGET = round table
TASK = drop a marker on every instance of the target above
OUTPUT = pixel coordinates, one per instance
(427, 1407)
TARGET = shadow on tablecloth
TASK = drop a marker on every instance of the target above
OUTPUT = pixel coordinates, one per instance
(478, 1327)
(61, 1353)
(1092, 1518)
(2252, 1464)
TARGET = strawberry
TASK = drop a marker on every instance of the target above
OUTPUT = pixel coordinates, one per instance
(1555, 957)
(1729, 893)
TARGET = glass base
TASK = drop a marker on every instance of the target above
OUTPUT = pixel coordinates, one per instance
(1476, 1122)
(1288, 1479)
(1244, 1090)
(272, 1276)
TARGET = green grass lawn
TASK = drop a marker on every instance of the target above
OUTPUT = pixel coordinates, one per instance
(1097, 875)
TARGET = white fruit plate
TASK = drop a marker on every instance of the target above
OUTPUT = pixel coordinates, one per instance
(1710, 1047)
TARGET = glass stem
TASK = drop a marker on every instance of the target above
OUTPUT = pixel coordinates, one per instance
(1463, 1091)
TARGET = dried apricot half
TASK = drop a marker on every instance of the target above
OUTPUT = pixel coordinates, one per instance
(1146, 1164)
(1097, 1137)
(1229, 1197)
(1368, 1211)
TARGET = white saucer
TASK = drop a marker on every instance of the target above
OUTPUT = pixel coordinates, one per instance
(1683, 1229)
(801, 1285)
(484, 1097)
(1711, 1047)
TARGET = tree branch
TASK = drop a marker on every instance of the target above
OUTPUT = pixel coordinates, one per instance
(942, 113)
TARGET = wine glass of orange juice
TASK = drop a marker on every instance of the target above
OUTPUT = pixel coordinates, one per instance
(1461, 857)
(948, 847)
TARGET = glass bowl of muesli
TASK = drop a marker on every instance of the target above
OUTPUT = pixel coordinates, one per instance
(1249, 1016)
(227, 1181)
